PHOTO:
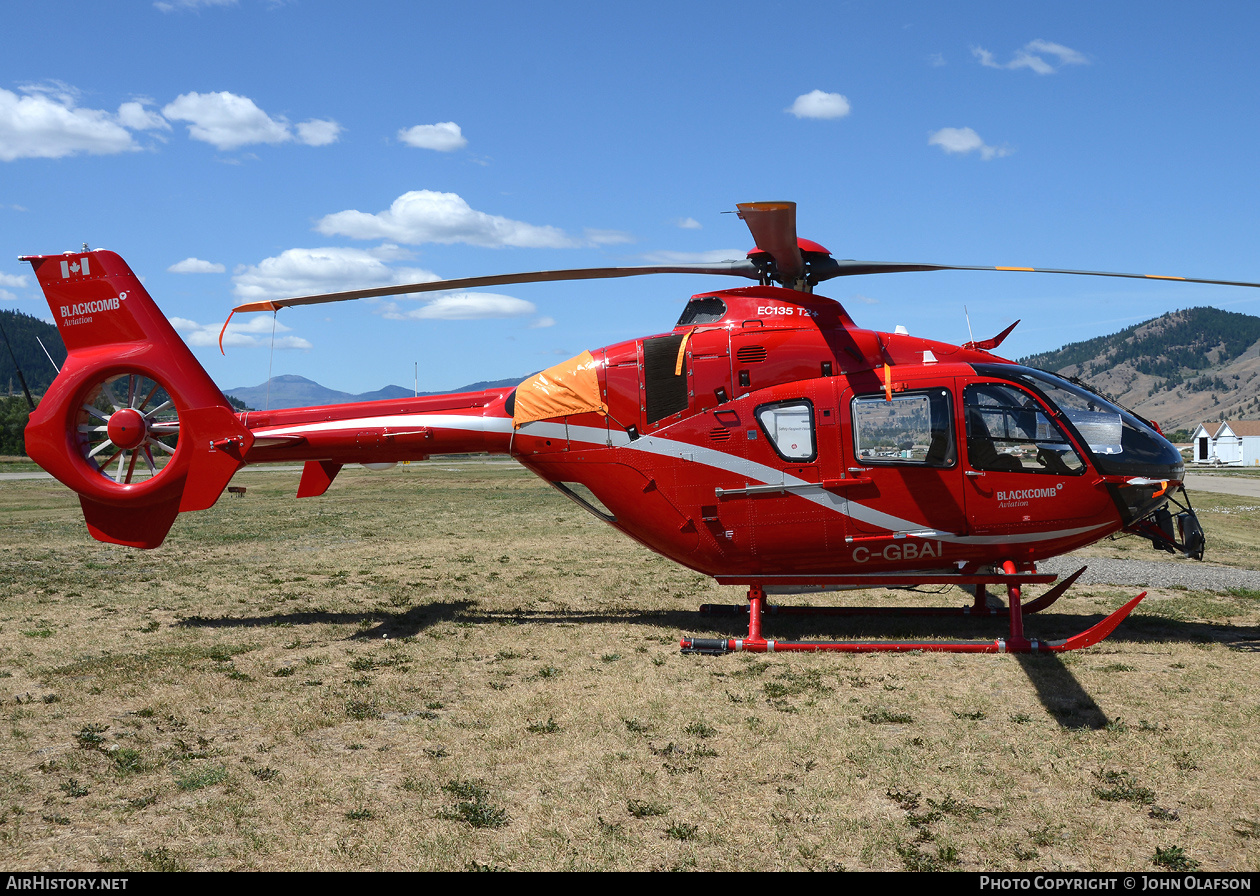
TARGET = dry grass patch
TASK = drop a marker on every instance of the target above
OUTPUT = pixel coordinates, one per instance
(451, 667)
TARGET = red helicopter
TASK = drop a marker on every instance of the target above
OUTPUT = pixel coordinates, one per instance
(767, 440)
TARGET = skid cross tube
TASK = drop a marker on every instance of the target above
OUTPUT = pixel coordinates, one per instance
(755, 642)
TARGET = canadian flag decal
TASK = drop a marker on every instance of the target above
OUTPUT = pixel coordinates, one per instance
(75, 268)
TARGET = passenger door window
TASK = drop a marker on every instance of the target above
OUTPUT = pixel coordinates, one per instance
(914, 428)
(909, 478)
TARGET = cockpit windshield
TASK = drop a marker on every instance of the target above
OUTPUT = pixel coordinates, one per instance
(1099, 422)
(1121, 444)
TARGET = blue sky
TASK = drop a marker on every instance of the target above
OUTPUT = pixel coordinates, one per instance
(234, 150)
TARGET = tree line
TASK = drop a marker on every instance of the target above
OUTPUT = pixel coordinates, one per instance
(25, 333)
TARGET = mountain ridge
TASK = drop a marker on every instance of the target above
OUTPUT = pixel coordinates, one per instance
(1181, 368)
(293, 391)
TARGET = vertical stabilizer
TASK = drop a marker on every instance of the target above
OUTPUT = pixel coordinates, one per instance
(132, 423)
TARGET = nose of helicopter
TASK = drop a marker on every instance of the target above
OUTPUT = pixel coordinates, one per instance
(1142, 452)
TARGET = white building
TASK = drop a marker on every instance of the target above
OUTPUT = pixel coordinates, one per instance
(1234, 443)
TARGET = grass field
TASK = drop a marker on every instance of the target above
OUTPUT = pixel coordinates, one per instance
(448, 666)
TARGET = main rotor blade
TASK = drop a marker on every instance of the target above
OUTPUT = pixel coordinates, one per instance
(773, 227)
(740, 268)
(848, 267)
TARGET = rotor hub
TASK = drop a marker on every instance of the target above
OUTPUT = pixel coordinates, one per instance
(127, 429)
(806, 247)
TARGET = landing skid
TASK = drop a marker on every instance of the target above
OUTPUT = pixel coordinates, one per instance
(980, 607)
(1016, 643)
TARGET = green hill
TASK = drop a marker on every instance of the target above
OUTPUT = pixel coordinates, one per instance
(1173, 347)
(1184, 368)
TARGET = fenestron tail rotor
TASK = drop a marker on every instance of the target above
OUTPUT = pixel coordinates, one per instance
(132, 423)
(127, 428)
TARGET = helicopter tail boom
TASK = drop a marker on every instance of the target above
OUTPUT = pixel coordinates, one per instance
(132, 423)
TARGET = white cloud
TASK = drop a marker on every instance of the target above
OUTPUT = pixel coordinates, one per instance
(196, 266)
(225, 120)
(317, 132)
(18, 281)
(464, 306)
(817, 104)
(300, 272)
(177, 5)
(391, 252)
(445, 136)
(423, 216)
(59, 91)
(243, 332)
(1032, 56)
(711, 256)
(963, 141)
(228, 121)
(543, 322)
(606, 237)
(689, 224)
(135, 116)
(936, 60)
(46, 123)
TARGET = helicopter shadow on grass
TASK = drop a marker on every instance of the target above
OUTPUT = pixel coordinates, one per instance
(372, 623)
(1066, 699)
(1061, 694)
(375, 625)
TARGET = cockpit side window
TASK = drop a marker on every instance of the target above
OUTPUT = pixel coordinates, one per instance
(912, 428)
(1008, 432)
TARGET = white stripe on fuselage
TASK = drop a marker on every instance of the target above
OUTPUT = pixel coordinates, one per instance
(710, 457)
(470, 422)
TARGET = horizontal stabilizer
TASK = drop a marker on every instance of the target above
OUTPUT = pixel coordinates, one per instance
(217, 442)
